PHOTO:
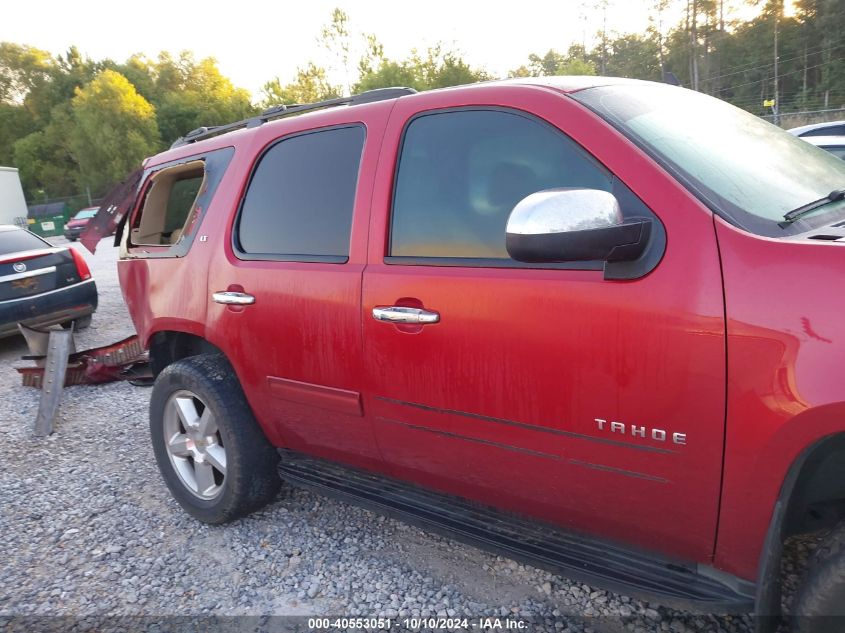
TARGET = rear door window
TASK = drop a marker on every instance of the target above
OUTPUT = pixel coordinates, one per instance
(299, 203)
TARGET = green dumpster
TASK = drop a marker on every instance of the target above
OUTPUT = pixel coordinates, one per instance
(47, 226)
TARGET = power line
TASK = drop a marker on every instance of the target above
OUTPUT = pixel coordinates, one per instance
(799, 70)
(782, 61)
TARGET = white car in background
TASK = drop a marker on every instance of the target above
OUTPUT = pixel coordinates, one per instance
(831, 128)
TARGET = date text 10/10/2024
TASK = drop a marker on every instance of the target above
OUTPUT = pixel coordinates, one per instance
(413, 624)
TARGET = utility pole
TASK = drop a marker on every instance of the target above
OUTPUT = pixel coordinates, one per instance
(694, 44)
(661, 8)
(604, 38)
(582, 16)
(660, 41)
(776, 109)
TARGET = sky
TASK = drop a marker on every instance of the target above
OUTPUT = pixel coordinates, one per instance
(256, 41)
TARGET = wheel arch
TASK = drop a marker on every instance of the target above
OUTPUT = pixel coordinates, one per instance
(812, 497)
(168, 346)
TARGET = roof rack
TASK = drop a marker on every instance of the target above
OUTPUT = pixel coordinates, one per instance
(279, 111)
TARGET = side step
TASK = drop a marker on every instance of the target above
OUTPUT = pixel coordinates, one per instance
(577, 557)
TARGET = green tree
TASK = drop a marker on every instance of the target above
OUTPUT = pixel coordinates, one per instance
(438, 68)
(309, 85)
(336, 38)
(45, 158)
(576, 61)
(22, 69)
(15, 123)
(372, 57)
(115, 129)
(188, 94)
(634, 56)
(69, 72)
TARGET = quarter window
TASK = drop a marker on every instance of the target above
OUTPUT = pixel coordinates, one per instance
(301, 196)
(462, 172)
(169, 200)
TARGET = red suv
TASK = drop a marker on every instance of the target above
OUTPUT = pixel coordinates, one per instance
(588, 323)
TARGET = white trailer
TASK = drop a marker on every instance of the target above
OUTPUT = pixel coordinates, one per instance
(12, 202)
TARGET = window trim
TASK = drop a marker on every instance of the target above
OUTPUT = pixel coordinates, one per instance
(216, 162)
(242, 255)
(472, 262)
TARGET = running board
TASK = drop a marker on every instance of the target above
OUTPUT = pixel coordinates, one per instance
(577, 557)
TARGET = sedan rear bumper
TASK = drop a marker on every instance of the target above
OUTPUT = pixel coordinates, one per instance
(48, 308)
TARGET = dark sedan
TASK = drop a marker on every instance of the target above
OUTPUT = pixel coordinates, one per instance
(41, 284)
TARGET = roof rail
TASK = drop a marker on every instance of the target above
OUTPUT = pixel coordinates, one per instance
(279, 111)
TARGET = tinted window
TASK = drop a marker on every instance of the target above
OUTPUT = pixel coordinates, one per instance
(830, 130)
(300, 200)
(15, 241)
(461, 173)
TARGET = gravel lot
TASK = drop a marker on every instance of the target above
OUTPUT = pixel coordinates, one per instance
(88, 529)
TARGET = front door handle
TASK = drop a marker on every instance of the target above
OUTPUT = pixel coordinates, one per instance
(233, 298)
(401, 314)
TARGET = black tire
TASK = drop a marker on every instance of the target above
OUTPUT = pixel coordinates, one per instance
(820, 603)
(251, 479)
(71, 239)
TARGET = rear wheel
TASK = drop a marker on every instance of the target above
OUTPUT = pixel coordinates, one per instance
(210, 451)
(820, 604)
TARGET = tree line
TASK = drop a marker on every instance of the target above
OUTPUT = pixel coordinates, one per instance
(72, 124)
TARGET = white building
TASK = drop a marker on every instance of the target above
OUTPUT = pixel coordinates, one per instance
(12, 202)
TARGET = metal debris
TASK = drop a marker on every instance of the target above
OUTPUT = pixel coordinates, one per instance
(124, 360)
(59, 344)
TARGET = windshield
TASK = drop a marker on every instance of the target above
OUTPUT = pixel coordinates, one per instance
(85, 214)
(18, 240)
(749, 170)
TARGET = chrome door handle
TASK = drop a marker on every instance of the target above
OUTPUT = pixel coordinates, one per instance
(233, 298)
(400, 314)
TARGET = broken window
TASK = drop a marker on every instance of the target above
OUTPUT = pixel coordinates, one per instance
(168, 205)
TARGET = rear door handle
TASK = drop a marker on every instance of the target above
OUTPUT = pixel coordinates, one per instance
(401, 314)
(233, 298)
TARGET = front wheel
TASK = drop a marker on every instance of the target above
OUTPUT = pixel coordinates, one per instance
(210, 451)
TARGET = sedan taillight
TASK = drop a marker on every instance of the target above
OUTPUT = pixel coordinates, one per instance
(81, 265)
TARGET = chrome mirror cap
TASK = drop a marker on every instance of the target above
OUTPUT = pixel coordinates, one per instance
(564, 210)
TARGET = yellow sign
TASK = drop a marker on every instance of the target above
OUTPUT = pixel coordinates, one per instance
(769, 103)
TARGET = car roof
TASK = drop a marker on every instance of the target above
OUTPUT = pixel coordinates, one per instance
(814, 126)
(9, 227)
(565, 84)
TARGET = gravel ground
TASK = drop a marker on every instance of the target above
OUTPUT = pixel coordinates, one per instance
(88, 529)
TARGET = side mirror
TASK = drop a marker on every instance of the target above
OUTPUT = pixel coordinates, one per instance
(563, 225)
